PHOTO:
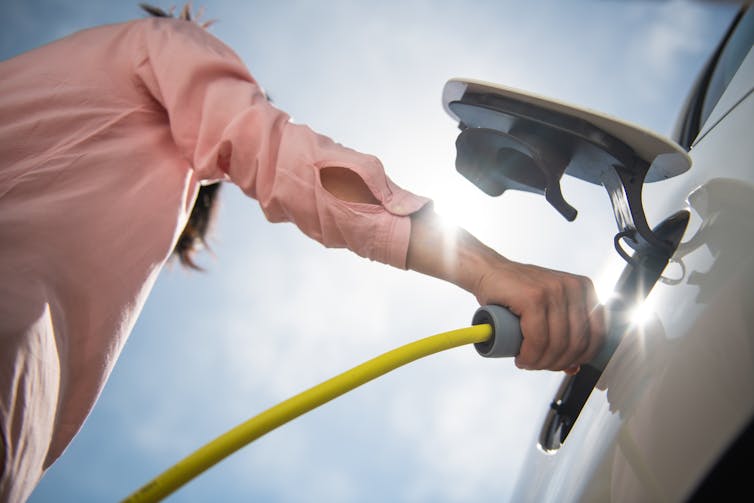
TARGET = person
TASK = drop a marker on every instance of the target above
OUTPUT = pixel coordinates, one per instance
(107, 136)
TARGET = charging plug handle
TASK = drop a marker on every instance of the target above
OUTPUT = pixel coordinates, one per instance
(506, 332)
(507, 338)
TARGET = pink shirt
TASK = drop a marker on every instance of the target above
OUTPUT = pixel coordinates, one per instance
(104, 138)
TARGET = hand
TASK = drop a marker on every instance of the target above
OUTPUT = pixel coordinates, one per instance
(562, 321)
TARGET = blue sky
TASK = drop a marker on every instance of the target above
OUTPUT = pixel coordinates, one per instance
(277, 313)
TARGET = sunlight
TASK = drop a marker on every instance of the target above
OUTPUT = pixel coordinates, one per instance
(642, 314)
(605, 283)
(461, 205)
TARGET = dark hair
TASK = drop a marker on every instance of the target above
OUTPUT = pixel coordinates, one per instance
(185, 14)
(194, 235)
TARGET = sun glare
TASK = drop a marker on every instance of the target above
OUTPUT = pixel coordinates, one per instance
(460, 208)
(642, 314)
(605, 283)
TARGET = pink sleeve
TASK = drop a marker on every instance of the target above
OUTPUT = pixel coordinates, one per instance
(223, 124)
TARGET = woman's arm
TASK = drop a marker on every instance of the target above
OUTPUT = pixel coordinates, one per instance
(561, 320)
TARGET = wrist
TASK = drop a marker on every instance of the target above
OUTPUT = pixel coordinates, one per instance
(475, 261)
(449, 253)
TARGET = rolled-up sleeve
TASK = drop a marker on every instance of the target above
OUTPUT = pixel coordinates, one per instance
(225, 127)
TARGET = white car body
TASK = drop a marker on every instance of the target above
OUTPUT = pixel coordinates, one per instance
(679, 390)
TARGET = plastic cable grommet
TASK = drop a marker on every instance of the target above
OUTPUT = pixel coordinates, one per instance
(506, 332)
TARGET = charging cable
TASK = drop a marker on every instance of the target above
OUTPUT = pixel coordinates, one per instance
(495, 333)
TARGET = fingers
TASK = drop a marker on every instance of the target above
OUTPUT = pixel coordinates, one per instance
(573, 370)
(597, 325)
(544, 322)
(535, 328)
(578, 336)
(562, 323)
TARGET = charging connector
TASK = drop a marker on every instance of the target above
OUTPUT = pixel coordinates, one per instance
(507, 338)
(506, 332)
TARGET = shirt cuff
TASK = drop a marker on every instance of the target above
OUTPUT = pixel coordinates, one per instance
(402, 205)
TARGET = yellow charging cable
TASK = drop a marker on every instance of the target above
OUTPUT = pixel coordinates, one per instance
(245, 433)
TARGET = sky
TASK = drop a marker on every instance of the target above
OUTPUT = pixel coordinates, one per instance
(276, 313)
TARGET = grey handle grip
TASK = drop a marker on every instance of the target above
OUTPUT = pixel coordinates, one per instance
(506, 334)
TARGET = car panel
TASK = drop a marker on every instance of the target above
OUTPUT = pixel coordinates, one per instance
(740, 86)
(680, 386)
(729, 64)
